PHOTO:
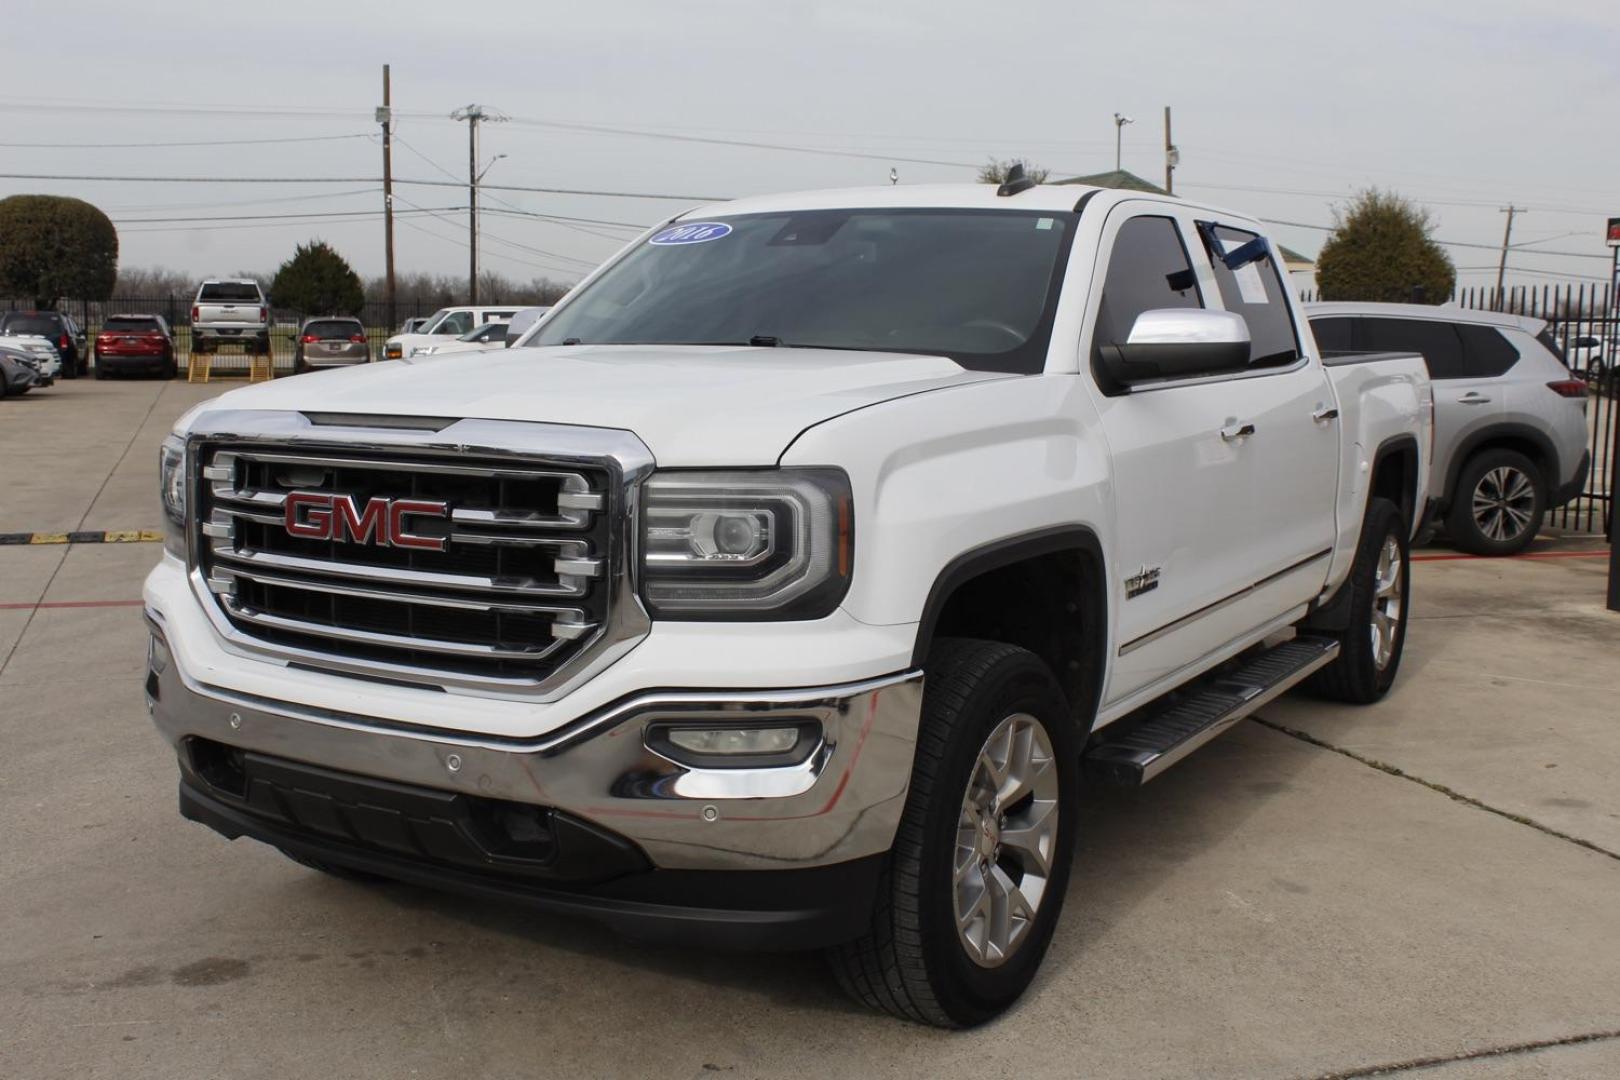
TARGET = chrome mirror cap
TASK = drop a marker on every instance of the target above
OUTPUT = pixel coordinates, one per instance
(1188, 326)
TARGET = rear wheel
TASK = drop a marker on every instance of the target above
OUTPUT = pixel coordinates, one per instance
(981, 860)
(1370, 647)
(1498, 505)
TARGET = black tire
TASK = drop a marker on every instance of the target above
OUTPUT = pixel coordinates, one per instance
(333, 869)
(1481, 476)
(911, 963)
(170, 369)
(101, 369)
(1355, 675)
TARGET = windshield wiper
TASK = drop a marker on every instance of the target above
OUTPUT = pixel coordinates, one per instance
(764, 341)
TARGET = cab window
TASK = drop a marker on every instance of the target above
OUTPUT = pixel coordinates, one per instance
(1147, 269)
(1247, 276)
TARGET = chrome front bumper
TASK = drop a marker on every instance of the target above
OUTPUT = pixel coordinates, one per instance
(842, 803)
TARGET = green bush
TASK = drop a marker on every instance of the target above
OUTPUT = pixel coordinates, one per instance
(1380, 251)
(317, 281)
(53, 247)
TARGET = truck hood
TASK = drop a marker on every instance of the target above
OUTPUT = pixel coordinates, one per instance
(691, 405)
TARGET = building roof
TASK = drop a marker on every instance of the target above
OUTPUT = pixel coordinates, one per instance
(1119, 179)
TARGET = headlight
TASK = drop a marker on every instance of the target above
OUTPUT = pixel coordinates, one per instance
(172, 492)
(767, 544)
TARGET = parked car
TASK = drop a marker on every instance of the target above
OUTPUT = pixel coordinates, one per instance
(524, 321)
(57, 327)
(330, 341)
(230, 313)
(39, 353)
(17, 373)
(444, 324)
(1510, 420)
(782, 603)
(135, 343)
(492, 335)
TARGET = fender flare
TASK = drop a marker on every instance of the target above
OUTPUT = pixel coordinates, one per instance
(1335, 613)
(1008, 551)
(1507, 430)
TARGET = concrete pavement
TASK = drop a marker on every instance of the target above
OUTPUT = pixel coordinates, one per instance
(1306, 897)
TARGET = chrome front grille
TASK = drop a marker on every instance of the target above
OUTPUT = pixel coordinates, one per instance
(529, 582)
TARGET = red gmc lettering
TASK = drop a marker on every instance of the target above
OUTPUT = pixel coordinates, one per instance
(319, 516)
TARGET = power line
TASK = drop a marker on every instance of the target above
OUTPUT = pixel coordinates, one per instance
(346, 218)
(205, 142)
(356, 180)
(264, 217)
(1447, 243)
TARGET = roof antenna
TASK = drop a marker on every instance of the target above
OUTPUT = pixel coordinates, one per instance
(1016, 180)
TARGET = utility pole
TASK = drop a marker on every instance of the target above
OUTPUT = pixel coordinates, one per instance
(1119, 132)
(1172, 156)
(472, 114)
(1501, 267)
(386, 116)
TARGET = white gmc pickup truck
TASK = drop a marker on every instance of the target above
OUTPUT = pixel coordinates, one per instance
(783, 586)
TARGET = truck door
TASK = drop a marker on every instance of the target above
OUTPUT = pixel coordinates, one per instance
(1182, 492)
(1292, 456)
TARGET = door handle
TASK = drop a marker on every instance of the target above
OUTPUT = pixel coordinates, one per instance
(1236, 431)
(1323, 415)
(1473, 399)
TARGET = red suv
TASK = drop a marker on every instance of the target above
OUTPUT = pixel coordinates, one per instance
(135, 343)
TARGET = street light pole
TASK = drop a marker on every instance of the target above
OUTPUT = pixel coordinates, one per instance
(1119, 133)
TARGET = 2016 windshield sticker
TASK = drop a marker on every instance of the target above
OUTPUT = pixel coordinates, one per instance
(692, 232)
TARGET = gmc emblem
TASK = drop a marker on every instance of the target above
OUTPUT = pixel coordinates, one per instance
(319, 516)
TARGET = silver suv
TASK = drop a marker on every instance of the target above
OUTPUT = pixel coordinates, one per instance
(1510, 419)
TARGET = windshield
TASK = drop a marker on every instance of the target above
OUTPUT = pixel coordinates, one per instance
(978, 286)
(142, 323)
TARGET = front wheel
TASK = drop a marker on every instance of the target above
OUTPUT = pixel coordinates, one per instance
(981, 859)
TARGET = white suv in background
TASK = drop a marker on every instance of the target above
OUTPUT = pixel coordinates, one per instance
(1510, 419)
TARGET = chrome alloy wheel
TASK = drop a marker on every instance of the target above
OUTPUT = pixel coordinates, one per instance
(1504, 500)
(1006, 840)
(1389, 602)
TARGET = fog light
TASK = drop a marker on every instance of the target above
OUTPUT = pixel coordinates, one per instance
(783, 743)
(735, 740)
(157, 655)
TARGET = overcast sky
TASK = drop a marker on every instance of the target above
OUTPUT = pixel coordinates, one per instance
(1281, 110)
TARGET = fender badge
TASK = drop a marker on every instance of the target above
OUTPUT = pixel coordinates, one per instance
(1144, 580)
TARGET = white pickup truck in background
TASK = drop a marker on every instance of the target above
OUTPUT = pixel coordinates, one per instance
(779, 588)
(230, 313)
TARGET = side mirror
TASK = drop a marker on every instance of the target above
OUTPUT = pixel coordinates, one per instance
(1171, 343)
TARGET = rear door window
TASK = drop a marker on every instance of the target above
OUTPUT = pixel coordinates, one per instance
(230, 292)
(1250, 285)
(1486, 353)
(1334, 335)
(1438, 342)
(328, 329)
(44, 325)
(132, 324)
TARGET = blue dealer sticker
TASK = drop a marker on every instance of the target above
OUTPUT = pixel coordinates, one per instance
(692, 232)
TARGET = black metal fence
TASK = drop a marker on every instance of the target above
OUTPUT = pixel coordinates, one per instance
(284, 324)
